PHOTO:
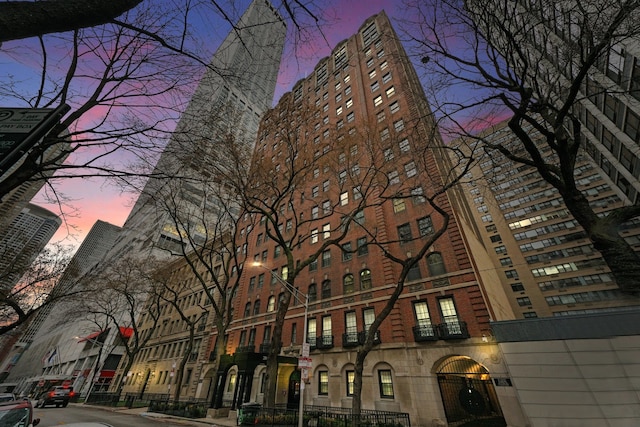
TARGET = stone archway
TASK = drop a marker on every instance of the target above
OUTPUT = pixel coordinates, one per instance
(467, 392)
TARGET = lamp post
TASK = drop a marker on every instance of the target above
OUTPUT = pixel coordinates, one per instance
(303, 299)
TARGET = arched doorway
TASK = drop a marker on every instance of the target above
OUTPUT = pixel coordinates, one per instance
(293, 399)
(467, 393)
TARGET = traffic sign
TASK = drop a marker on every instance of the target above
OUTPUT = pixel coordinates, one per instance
(305, 349)
(305, 362)
(16, 123)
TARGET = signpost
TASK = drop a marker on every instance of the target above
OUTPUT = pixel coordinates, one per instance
(22, 128)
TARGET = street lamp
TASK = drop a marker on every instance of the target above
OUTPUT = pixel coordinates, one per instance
(303, 299)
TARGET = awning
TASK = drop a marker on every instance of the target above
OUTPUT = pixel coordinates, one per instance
(107, 373)
(126, 332)
(91, 336)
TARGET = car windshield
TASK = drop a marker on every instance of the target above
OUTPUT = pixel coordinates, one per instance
(15, 417)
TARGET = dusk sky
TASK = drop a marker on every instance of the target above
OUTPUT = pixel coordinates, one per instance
(93, 199)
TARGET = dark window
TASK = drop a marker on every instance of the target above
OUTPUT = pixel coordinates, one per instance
(362, 247)
(326, 258)
(523, 301)
(632, 125)
(313, 292)
(496, 238)
(347, 253)
(435, 264)
(404, 233)
(247, 310)
(326, 289)
(517, 287)
(313, 265)
(425, 226)
(414, 272)
(256, 307)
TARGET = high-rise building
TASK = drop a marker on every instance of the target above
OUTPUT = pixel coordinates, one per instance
(364, 101)
(23, 240)
(229, 101)
(47, 330)
(546, 261)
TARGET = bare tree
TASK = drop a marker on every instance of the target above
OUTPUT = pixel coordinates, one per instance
(35, 286)
(535, 62)
(119, 294)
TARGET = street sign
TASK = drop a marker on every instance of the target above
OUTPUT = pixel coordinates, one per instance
(305, 362)
(16, 123)
(305, 349)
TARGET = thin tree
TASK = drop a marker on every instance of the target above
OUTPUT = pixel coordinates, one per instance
(533, 63)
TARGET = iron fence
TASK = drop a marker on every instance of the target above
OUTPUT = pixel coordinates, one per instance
(189, 408)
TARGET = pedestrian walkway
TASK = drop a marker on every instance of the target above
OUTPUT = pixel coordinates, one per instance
(144, 412)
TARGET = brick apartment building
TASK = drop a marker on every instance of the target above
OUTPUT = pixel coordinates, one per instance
(362, 105)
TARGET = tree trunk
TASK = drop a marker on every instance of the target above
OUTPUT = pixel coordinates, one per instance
(22, 19)
(271, 379)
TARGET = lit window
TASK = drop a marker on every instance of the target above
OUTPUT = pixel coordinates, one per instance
(271, 304)
(347, 284)
(351, 376)
(365, 277)
(326, 231)
(347, 78)
(399, 205)
(377, 100)
(390, 92)
(349, 103)
(323, 383)
(314, 235)
(383, 65)
(372, 74)
(339, 110)
(344, 198)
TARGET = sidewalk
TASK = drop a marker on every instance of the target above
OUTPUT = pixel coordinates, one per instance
(144, 412)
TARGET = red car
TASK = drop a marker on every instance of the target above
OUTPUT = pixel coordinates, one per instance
(17, 413)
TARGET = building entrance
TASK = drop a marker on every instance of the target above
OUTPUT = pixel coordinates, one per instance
(468, 393)
(293, 399)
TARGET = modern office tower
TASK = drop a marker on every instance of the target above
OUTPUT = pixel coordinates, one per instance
(47, 330)
(25, 237)
(364, 102)
(546, 262)
(228, 103)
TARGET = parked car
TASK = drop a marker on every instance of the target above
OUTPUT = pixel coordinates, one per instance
(7, 397)
(58, 395)
(17, 413)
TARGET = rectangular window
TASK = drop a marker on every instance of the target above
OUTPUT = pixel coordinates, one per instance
(326, 326)
(425, 226)
(375, 86)
(386, 384)
(351, 117)
(362, 247)
(384, 134)
(323, 383)
(394, 178)
(338, 111)
(372, 74)
(326, 258)
(450, 315)
(398, 125)
(344, 198)
(347, 253)
(377, 100)
(326, 207)
(395, 107)
(386, 78)
(368, 315)
(523, 301)
(325, 185)
(390, 91)
(399, 205)
(314, 235)
(404, 233)
(632, 125)
(410, 169)
(326, 231)
(311, 329)
(351, 376)
(314, 212)
(404, 145)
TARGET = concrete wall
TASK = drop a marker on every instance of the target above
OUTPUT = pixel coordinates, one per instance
(581, 371)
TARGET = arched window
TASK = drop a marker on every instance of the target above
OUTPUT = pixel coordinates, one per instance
(247, 310)
(365, 279)
(313, 292)
(271, 304)
(256, 307)
(326, 289)
(347, 284)
(280, 298)
(435, 263)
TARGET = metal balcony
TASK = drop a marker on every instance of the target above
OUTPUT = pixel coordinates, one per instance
(324, 342)
(453, 330)
(425, 333)
(362, 336)
(349, 339)
(246, 349)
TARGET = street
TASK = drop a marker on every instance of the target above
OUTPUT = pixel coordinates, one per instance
(52, 416)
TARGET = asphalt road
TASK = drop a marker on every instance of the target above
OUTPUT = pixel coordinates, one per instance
(52, 416)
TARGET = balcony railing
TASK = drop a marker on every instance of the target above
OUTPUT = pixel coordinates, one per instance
(349, 339)
(426, 332)
(324, 342)
(362, 336)
(453, 330)
(246, 348)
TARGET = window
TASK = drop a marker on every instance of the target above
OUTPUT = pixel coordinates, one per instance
(495, 238)
(383, 65)
(344, 198)
(247, 310)
(505, 262)
(325, 185)
(312, 292)
(260, 280)
(365, 279)
(375, 86)
(418, 195)
(314, 235)
(348, 284)
(423, 320)
(326, 289)
(386, 78)
(338, 111)
(386, 384)
(361, 246)
(511, 274)
(410, 169)
(523, 301)
(313, 265)
(349, 103)
(398, 125)
(326, 258)
(351, 117)
(315, 191)
(388, 154)
(358, 217)
(384, 134)
(311, 330)
(276, 251)
(232, 382)
(502, 249)
(271, 304)
(435, 264)
(323, 383)
(390, 92)
(381, 116)
(351, 328)
(326, 328)
(326, 207)
(425, 226)
(314, 212)
(404, 233)
(377, 100)
(347, 253)
(372, 74)
(266, 337)
(351, 376)
(393, 177)
(326, 231)
(517, 287)
(256, 307)
(404, 145)
(395, 107)
(450, 315)
(399, 205)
